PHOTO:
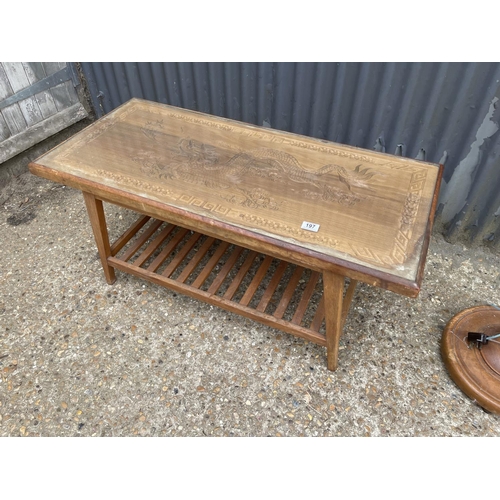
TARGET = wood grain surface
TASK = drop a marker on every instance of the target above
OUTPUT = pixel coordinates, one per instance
(374, 210)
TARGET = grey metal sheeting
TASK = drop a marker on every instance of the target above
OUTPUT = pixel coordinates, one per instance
(441, 112)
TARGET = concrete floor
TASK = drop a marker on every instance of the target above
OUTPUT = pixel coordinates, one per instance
(81, 358)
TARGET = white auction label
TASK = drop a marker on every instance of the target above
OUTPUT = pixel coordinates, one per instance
(310, 226)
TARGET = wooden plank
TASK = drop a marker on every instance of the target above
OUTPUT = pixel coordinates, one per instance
(306, 296)
(73, 95)
(128, 234)
(257, 279)
(64, 94)
(288, 293)
(12, 114)
(5, 87)
(236, 281)
(35, 72)
(151, 248)
(4, 128)
(50, 68)
(19, 81)
(169, 247)
(176, 261)
(228, 305)
(273, 284)
(195, 260)
(14, 119)
(148, 232)
(206, 271)
(221, 275)
(28, 137)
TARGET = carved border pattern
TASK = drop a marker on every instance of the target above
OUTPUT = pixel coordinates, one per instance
(408, 215)
(201, 121)
(134, 182)
(207, 205)
(407, 219)
(367, 254)
(330, 150)
(408, 168)
(291, 231)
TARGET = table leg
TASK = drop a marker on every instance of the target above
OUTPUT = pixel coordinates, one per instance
(349, 294)
(333, 291)
(98, 222)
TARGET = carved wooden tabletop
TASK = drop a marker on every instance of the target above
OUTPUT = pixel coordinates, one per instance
(373, 210)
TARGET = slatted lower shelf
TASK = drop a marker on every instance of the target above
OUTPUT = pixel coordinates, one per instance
(273, 292)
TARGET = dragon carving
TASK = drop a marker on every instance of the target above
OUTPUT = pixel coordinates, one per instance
(200, 164)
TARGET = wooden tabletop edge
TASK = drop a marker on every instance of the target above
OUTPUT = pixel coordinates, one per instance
(430, 225)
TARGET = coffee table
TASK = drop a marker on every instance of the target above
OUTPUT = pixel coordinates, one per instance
(271, 225)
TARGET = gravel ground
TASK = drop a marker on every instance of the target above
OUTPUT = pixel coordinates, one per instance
(81, 358)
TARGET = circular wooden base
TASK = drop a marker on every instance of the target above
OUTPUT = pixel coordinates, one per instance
(476, 371)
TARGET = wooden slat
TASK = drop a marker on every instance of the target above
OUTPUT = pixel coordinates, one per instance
(28, 137)
(235, 283)
(14, 119)
(142, 239)
(205, 272)
(34, 73)
(319, 316)
(151, 248)
(12, 114)
(19, 81)
(259, 276)
(128, 234)
(195, 260)
(176, 261)
(221, 276)
(162, 256)
(289, 291)
(228, 305)
(5, 87)
(64, 94)
(275, 280)
(50, 68)
(306, 296)
(4, 129)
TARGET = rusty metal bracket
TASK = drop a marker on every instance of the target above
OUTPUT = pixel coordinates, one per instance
(63, 75)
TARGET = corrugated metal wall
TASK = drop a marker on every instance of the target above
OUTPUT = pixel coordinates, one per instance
(441, 112)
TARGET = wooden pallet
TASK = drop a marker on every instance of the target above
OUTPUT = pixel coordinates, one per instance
(257, 286)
